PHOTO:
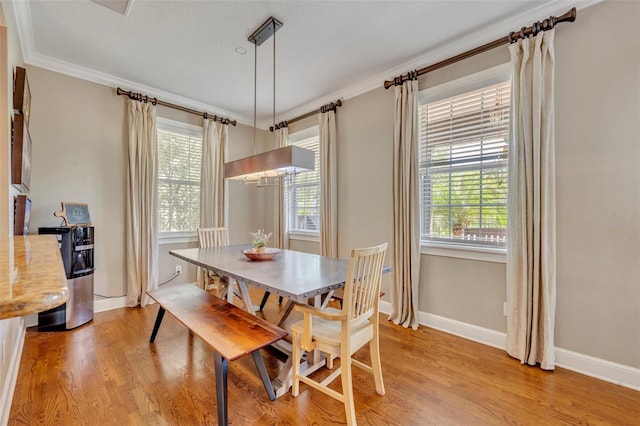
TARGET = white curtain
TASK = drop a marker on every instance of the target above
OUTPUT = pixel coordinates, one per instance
(280, 239)
(406, 213)
(142, 202)
(531, 236)
(328, 185)
(214, 141)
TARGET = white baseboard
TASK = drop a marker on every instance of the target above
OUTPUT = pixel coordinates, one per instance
(107, 304)
(9, 385)
(101, 305)
(598, 368)
(461, 329)
(608, 371)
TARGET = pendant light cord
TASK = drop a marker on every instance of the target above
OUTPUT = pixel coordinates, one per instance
(255, 92)
(275, 141)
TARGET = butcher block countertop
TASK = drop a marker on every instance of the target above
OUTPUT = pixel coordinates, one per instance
(32, 278)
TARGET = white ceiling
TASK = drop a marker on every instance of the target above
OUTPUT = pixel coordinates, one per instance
(184, 51)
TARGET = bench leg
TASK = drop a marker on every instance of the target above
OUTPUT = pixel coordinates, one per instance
(156, 326)
(221, 366)
(262, 370)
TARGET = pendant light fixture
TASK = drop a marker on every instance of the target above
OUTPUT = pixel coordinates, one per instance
(268, 167)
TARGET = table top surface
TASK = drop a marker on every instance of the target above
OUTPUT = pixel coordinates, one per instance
(291, 274)
(32, 278)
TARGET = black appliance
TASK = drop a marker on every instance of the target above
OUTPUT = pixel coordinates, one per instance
(76, 247)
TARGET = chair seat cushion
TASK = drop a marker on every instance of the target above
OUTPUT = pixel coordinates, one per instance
(329, 331)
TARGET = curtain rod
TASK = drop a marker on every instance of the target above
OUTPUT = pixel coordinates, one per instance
(547, 24)
(332, 106)
(155, 101)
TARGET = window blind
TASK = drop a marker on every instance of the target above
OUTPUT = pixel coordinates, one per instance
(464, 143)
(303, 193)
(179, 159)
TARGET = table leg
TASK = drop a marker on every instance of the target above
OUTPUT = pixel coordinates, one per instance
(156, 326)
(246, 298)
(326, 299)
(221, 366)
(264, 299)
(262, 370)
(230, 291)
(282, 383)
(288, 307)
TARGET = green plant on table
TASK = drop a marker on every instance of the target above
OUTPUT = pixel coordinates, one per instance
(260, 239)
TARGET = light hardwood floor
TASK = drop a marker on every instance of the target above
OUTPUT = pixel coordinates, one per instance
(107, 373)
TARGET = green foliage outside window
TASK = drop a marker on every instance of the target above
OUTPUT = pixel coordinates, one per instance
(463, 165)
(458, 205)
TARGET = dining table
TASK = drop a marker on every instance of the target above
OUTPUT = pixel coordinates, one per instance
(296, 276)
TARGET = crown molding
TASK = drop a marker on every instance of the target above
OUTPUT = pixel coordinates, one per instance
(104, 79)
(447, 50)
(22, 16)
(23, 20)
(469, 41)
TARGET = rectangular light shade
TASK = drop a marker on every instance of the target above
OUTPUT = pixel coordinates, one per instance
(286, 160)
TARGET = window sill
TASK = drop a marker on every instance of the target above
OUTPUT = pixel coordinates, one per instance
(177, 238)
(314, 238)
(488, 254)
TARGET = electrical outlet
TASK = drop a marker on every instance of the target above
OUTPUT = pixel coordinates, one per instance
(178, 269)
(504, 309)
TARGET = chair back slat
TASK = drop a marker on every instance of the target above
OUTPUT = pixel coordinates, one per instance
(364, 278)
(213, 237)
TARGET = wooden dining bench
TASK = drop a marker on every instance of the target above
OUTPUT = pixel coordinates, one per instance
(229, 330)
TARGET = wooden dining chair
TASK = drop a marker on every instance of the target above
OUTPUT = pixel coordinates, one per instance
(213, 237)
(342, 332)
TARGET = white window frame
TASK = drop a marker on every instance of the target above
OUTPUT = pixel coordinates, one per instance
(192, 131)
(453, 88)
(295, 137)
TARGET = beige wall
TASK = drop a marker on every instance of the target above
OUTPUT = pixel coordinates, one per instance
(365, 141)
(81, 125)
(304, 245)
(167, 264)
(598, 190)
(598, 183)
(79, 154)
(78, 133)
(246, 205)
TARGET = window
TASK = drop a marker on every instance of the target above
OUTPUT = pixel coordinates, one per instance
(179, 158)
(302, 191)
(464, 141)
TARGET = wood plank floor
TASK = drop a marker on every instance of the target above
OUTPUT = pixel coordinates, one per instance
(107, 373)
